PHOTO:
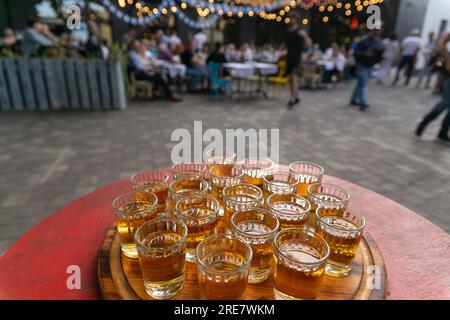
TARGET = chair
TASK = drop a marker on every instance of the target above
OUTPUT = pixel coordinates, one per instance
(311, 75)
(137, 86)
(216, 82)
(280, 79)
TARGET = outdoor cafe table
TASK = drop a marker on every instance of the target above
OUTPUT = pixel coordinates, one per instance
(416, 252)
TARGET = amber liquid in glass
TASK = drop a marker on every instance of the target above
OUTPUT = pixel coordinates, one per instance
(342, 249)
(161, 191)
(223, 287)
(184, 188)
(314, 204)
(198, 229)
(230, 211)
(294, 281)
(162, 269)
(292, 218)
(258, 182)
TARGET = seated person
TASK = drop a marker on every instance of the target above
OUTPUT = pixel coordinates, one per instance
(218, 54)
(314, 54)
(196, 75)
(146, 71)
(335, 62)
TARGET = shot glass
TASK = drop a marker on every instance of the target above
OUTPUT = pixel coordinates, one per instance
(257, 227)
(220, 178)
(343, 232)
(300, 259)
(307, 173)
(161, 244)
(156, 182)
(130, 215)
(200, 214)
(254, 170)
(327, 195)
(241, 197)
(278, 182)
(194, 171)
(223, 263)
(221, 158)
(291, 210)
(183, 187)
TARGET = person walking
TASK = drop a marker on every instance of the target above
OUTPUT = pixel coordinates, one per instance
(428, 54)
(295, 40)
(410, 47)
(391, 51)
(444, 104)
(368, 52)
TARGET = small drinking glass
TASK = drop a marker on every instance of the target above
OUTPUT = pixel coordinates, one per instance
(241, 197)
(254, 170)
(156, 182)
(183, 187)
(291, 210)
(300, 259)
(200, 214)
(257, 227)
(343, 232)
(223, 263)
(161, 244)
(220, 178)
(307, 173)
(326, 195)
(221, 158)
(195, 171)
(279, 182)
(130, 215)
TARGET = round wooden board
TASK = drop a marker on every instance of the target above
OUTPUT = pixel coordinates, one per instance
(120, 277)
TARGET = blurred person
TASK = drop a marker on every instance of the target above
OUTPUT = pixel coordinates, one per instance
(391, 51)
(429, 52)
(218, 54)
(191, 61)
(368, 53)
(9, 40)
(201, 57)
(314, 54)
(231, 52)
(444, 104)
(34, 39)
(200, 38)
(146, 71)
(174, 40)
(267, 53)
(246, 53)
(409, 50)
(335, 62)
(105, 50)
(128, 38)
(162, 39)
(295, 40)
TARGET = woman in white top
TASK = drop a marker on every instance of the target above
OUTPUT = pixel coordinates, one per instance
(391, 52)
(334, 62)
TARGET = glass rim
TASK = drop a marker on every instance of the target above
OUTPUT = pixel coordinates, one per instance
(347, 198)
(162, 219)
(318, 166)
(192, 196)
(248, 185)
(202, 183)
(351, 211)
(134, 176)
(241, 172)
(261, 210)
(245, 265)
(201, 165)
(224, 153)
(267, 160)
(274, 172)
(306, 232)
(153, 203)
(304, 211)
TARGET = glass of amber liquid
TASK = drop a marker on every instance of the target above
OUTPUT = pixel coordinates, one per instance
(156, 182)
(279, 182)
(257, 227)
(221, 177)
(254, 170)
(307, 173)
(343, 232)
(222, 158)
(241, 197)
(130, 215)
(291, 210)
(161, 244)
(300, 259)
(326, 195)
(223, 262)
(185, 186)
(192, 171)
(200, 214)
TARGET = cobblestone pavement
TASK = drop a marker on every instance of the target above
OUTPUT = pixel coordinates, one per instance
(50, 159)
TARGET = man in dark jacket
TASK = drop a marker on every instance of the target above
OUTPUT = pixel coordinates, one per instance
(369, 52)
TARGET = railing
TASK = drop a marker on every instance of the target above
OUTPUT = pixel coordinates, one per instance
(55, 84)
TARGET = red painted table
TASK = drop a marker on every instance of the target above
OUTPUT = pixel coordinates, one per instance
(416, 252)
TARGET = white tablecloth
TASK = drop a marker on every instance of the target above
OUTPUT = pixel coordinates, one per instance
(173, 69)
(244, 70)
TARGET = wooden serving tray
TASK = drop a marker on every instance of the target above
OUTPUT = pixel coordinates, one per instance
(120, 277)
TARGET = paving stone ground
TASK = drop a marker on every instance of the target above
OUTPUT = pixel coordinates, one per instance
(49, 159)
